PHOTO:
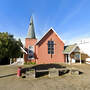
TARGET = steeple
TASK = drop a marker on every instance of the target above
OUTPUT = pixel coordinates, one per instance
(31, 31)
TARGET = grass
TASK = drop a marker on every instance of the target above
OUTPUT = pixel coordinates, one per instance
(30, 63)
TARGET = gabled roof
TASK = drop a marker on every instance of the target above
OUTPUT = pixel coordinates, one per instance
(51, 29)
(69, 49)
(23, 50)
(31, 31)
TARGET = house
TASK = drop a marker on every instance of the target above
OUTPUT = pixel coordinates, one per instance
(72, 53)
(49, 49)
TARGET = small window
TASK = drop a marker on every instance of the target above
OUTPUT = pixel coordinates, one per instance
(50, 47)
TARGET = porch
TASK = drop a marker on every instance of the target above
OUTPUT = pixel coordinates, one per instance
(72, 54)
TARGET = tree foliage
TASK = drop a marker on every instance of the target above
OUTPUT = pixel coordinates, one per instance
(9, 46)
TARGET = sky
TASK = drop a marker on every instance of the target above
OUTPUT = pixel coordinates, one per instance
(69, 18)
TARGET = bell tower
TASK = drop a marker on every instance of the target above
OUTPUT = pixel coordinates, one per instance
(30, 41)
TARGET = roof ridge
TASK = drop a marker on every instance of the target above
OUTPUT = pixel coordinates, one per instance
(48, 32)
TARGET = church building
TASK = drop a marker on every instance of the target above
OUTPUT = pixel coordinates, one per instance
(49, 49)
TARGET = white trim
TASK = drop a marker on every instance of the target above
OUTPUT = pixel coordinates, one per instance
(23, 50)
(66, 58)
(69, 58)
(80, 58)
(57, 34)
(72, 50)
(47, 33)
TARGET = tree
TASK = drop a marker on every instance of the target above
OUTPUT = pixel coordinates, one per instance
(9, 47)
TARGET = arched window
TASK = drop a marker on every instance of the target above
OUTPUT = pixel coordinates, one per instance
(31, 52)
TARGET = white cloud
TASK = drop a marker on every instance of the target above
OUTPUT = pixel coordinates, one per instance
(85, 47)
(83, 43)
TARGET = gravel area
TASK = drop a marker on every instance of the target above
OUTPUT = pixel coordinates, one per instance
(9, 80)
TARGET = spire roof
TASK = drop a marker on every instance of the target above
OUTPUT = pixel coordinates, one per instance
(31, 31)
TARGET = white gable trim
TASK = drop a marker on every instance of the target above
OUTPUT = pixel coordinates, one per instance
(74, 49)
(47, 32)
(23, 50)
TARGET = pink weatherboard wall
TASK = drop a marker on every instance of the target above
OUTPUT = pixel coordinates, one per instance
(41, 49)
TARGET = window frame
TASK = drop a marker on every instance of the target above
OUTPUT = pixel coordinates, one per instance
(29, 53)
(51, 47)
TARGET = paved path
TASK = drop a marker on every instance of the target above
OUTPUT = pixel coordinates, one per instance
(7, 70)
